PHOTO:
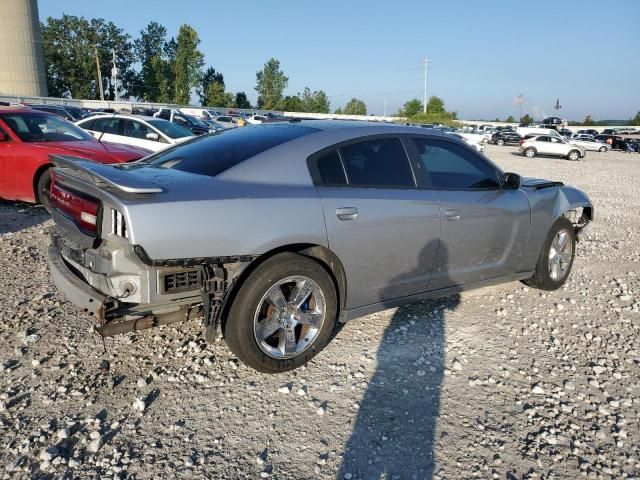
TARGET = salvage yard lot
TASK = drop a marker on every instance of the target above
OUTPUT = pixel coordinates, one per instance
(501, 382)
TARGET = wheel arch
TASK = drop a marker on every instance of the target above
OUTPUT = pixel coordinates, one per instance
(327, 258)
(36, 178)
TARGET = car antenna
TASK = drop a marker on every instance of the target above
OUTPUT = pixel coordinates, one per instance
(105, 127)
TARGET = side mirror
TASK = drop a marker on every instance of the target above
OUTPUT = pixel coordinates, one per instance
(3, 136)
(511, 181)
(153, 136)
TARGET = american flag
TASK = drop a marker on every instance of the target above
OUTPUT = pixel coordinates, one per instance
(519, 100)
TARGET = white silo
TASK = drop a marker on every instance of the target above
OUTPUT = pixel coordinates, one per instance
(21, 56)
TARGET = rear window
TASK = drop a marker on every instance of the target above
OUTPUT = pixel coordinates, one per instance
(213, 154)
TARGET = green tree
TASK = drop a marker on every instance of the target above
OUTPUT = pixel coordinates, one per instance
(217, 97)
(291, 103)
(588, 121)
(314, 102)
(410, 108)
(70, 44)
(510, 119)
(635, 120)
(355, 106)
(150, 81)
(270, 85)
(188, 64)
(526, 120)
(338, 111)
(209, 76)
(435, 105)
(242, 101)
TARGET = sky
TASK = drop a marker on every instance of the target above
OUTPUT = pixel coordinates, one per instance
(482, 53)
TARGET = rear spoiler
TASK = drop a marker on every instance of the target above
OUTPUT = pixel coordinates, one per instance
(99, 173)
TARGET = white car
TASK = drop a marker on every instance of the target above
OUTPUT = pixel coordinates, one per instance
(591, 145)
(477, 145)
(257, 119)
(147, 132)
(554, 146)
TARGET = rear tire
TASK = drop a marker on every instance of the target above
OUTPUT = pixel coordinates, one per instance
(556, 257)
(42, 189)
(253, 314)
(530, 152)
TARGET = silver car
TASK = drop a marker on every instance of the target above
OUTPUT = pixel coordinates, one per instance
(275, 232)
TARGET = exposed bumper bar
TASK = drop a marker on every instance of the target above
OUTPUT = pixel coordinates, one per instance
(76, 290)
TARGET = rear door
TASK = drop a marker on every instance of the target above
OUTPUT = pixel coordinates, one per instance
(484, 227)
(136, 134)
(107, 129)
(384, 229)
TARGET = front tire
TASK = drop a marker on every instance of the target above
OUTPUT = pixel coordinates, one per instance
(283, 314)
(556, 258)
(500, 142)
(574, 155)
(42, 190)
(602, 149)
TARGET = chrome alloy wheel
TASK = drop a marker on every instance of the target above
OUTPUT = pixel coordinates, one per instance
(560, 255)
(289, 316)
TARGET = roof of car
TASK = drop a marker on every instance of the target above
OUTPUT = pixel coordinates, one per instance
(122, 115)
(20, 109)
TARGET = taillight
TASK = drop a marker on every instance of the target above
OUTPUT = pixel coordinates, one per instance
(520, 142)
(82, 210)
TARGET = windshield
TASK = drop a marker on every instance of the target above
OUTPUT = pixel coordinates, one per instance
(171, 130)
(215, 153)
(43, 127)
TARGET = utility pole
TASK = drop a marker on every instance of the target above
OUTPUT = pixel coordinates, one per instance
(99, 73)
(114, 75)
(385, 108)
(426, 69)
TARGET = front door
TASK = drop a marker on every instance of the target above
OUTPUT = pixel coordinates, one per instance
(382, 227)
(484, 227)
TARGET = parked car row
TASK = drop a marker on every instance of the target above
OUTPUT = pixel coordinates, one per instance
(27, 139)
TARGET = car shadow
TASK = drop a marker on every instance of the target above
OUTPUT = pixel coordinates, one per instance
(394, 433)
(17, 216)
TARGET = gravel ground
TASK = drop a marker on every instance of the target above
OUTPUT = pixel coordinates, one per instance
(502, 382)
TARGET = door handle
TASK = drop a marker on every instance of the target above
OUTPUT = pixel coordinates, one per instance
(346, 213)
(452, 214)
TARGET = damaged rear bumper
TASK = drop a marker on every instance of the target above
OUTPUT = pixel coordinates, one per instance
(79, 292)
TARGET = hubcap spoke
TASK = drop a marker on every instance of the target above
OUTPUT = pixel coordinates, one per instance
(300, 293)
(313, 319)
(562, 240)
(268, 327)
(289, 340)
(276, 298)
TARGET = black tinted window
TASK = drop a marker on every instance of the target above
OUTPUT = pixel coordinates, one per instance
(330, 169)
(107, 125)
(213, 154)
(377, 163)
(453, 167)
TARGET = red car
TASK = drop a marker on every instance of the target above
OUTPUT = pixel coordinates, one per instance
(28, 137)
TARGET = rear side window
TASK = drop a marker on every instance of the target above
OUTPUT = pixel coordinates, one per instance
(330, 169)
(213, 154)
(88, 125)
(452, 167)
(377, 163)
(107, 125)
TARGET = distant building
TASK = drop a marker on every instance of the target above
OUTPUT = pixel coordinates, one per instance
(21, 55)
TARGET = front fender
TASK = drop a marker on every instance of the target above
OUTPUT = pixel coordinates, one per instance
(547, 205)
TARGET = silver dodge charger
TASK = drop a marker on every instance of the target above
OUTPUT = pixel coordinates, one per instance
(274, 233)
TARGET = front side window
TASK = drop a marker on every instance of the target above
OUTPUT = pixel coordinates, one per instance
(170, 129)
(34, 127)
(136, 129)
(452, 167)
(377, 163)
